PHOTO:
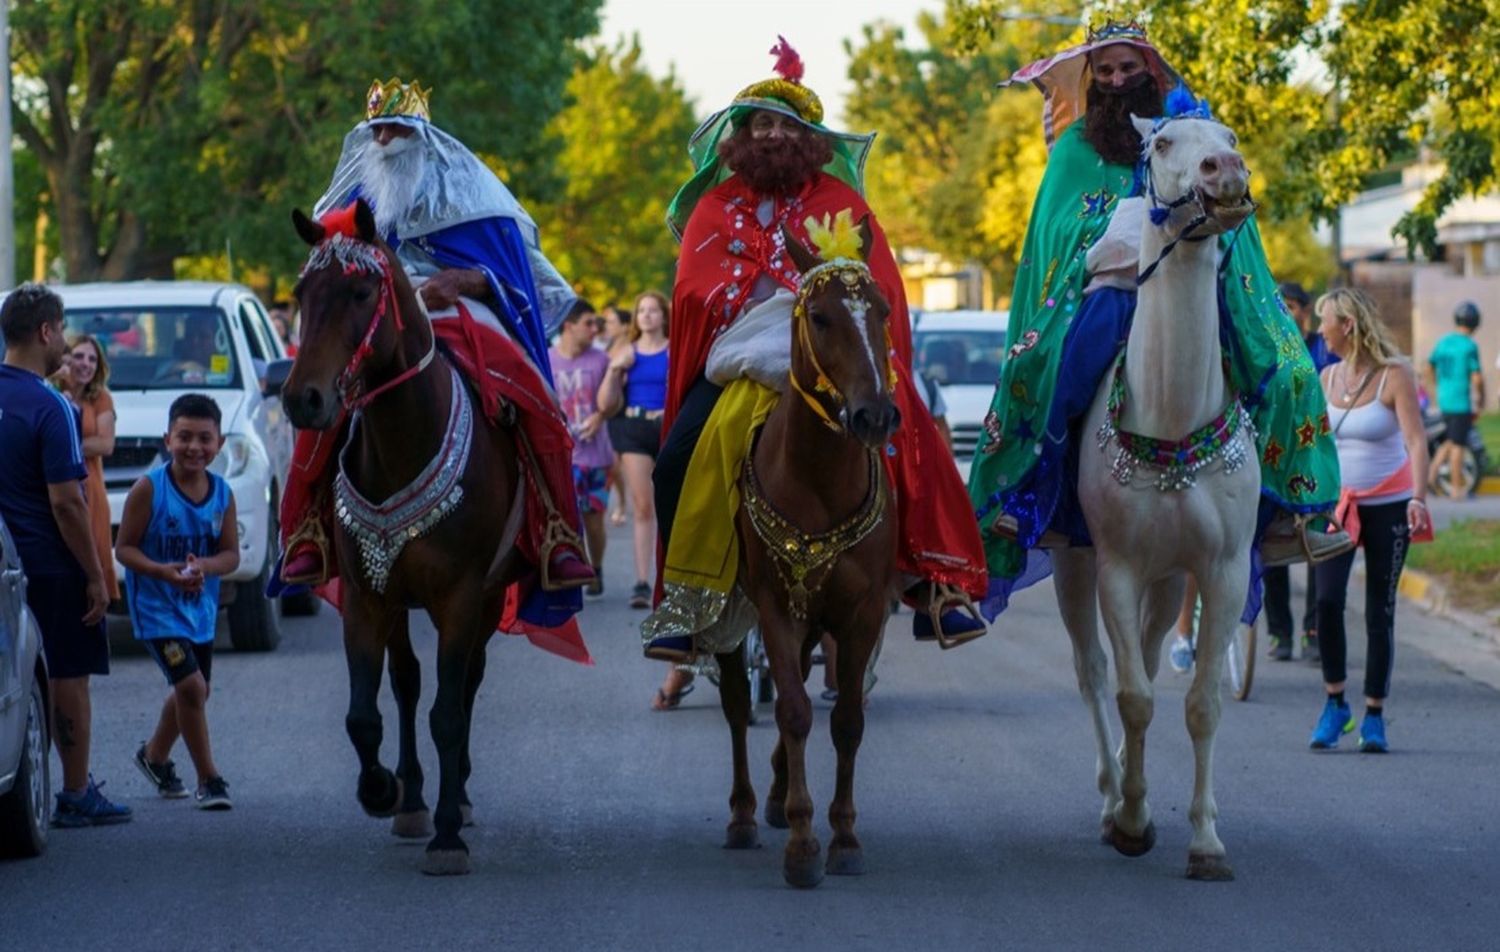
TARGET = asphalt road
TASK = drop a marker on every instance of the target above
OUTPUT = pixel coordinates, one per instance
(600, 821)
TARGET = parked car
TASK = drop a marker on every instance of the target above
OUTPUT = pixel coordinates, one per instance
(25, 779)
(167, 338)
(962, 351)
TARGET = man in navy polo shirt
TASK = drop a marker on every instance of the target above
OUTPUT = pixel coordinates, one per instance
(41, 498)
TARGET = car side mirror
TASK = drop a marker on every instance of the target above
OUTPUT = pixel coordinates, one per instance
(276, 373)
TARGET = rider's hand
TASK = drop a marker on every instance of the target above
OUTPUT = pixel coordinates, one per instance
(442, 290)
(96, 600)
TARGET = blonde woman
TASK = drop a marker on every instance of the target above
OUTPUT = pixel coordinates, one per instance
(1377, 428)
(85, 380)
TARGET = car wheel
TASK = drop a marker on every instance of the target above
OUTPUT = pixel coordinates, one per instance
(255, 617)
(23, 811)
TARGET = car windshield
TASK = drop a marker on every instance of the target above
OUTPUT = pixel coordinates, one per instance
(959, 357)
(162, 348)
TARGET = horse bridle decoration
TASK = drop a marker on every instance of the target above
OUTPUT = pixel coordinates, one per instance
(851, 274)
(355, 256)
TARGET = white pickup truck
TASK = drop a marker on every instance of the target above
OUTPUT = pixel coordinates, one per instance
(167, 338)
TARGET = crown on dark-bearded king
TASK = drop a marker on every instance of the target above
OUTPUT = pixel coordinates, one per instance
(787, 87)
(1117, 30)
(394, 99)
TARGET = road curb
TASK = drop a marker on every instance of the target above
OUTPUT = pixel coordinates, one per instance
(1490, 486)
(1431, 596)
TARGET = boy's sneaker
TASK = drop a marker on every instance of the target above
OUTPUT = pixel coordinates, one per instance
(1281, 648)
(1337, 720)
(1181, 655)
(1372, 733)
(89, 808)
(213, 794)
(161, 776)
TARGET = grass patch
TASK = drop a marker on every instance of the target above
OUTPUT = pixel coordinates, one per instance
(1489, 429)
(1465, 558)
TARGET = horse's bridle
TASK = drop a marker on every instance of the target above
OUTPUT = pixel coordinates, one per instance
(355, 255)
(851, 273)
(1161, 211)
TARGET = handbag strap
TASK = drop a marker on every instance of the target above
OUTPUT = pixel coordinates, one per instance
(1354, 400)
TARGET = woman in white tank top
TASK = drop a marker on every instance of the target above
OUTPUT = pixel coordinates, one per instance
(1377, 428)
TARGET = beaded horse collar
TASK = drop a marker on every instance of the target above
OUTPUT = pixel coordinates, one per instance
(803, 560)
(1176, 462)
(383, 529)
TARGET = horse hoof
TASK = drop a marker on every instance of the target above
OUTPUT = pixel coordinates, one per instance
(466, 814)
(776, 814)
(446, 863)
(381, 793)
(1209, 869)
(803, 872)
(742, 835)
(415, 825)
(845, 861)
(1133, 845)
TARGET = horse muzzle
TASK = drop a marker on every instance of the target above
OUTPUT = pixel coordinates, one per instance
(874, 422)
(310, 408)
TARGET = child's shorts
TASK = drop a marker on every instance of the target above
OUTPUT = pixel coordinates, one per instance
(591, 486)
(178, 658)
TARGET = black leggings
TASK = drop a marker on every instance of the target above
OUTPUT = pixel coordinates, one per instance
(677, 451)
(1384, 536)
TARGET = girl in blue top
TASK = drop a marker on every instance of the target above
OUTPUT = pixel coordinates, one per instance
(177, 537)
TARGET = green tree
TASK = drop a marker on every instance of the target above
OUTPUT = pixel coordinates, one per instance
(176, 127)
(1400, 75)
(621, 155)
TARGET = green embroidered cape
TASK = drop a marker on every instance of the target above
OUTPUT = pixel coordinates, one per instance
(1299, 468)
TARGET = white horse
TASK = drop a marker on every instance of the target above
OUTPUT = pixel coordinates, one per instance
(1152, 524)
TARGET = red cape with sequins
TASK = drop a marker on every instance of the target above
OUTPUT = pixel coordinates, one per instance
(725, 250)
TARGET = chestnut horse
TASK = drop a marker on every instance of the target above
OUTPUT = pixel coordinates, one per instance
(364, 335)
(818, 536)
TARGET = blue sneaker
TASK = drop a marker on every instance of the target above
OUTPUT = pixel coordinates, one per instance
(1337, 720)
(1372, 733)
(90, 808)
(1181, 655)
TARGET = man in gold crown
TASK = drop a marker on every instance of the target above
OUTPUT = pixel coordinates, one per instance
(1071, 312)
(764, 163)
(494, 297)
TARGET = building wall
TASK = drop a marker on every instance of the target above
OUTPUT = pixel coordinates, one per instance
(1435, 292)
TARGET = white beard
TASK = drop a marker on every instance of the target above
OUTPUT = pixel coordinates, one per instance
(391, 178)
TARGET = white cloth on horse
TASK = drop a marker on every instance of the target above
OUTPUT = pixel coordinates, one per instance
(758, 345)
(1114, 259)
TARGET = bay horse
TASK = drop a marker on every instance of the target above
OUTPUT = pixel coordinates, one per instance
(817, 532)
(429, 504)
(1173, 487)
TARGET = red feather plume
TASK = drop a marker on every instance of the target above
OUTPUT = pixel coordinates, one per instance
(788, 62)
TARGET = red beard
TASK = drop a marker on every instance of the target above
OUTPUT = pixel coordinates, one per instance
(776, 166)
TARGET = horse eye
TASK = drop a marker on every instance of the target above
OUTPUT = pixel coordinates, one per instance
(361, 294)
(818, 318)
(1162, 143)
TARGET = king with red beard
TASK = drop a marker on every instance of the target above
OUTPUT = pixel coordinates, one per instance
(765, 163)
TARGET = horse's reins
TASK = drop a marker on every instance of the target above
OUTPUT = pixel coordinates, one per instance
(851, 273)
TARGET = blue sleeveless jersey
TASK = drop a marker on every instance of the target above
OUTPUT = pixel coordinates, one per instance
(178, 526)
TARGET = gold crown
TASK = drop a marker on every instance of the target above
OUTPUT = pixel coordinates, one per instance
(1117, 30)
(796, 95)
(394, 98)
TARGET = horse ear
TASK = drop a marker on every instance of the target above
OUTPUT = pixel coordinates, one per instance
(866, 238)
(311, 231)
(803, 258)
(364, 221)
(1144, 126)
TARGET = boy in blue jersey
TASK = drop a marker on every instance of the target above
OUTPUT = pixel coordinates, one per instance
(177, 537)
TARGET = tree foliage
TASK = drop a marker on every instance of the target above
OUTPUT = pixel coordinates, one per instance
(1400, 75)
(621, 154)
(176, 127)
